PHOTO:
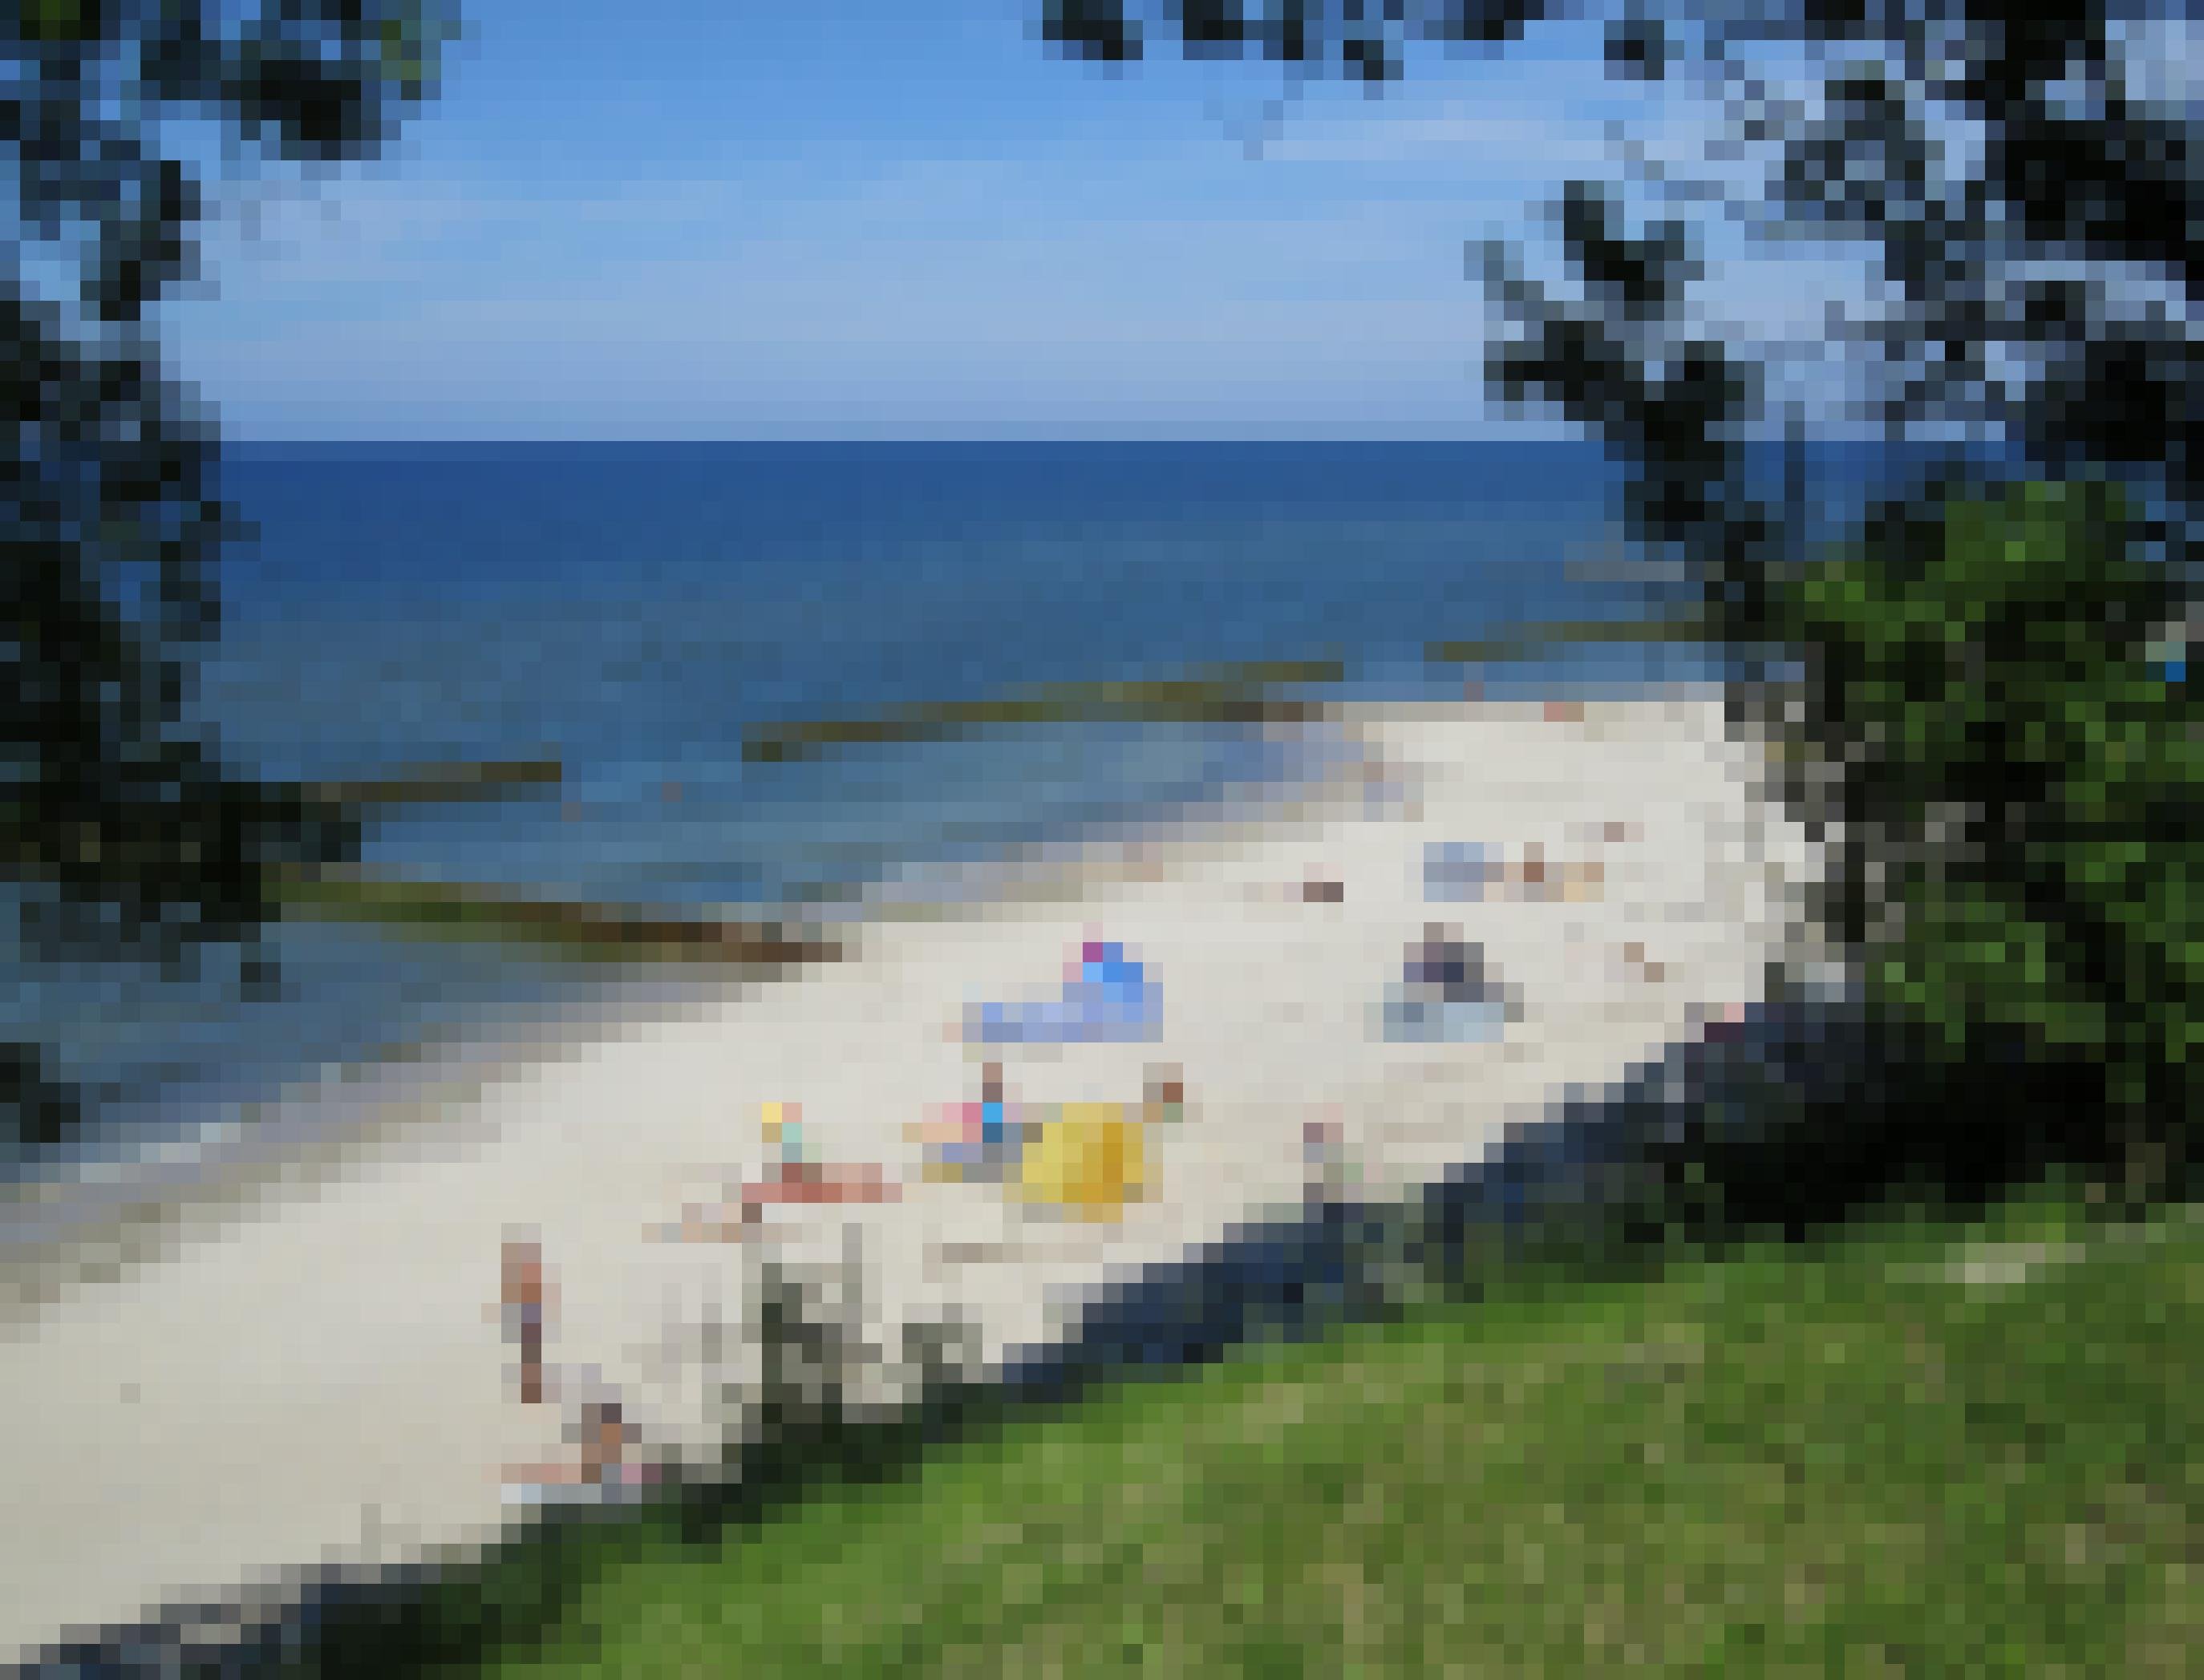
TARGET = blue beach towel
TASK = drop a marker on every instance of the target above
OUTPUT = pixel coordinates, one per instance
(1111, 1000)
(1407, 1018)
(1458, 871)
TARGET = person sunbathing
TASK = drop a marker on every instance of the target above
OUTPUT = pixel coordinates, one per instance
(1536, 881)
(792, 1181)
(606, 1467)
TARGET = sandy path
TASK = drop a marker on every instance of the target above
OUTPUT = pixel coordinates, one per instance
(322, 1379)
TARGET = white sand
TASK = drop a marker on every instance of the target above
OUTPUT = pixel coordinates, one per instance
(321, 1378)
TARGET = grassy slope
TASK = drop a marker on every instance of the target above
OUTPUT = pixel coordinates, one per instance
(1853, 1460)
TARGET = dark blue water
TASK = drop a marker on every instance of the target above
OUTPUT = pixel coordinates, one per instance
(632, 610)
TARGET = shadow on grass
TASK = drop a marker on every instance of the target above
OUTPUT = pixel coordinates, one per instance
(1788, 1123)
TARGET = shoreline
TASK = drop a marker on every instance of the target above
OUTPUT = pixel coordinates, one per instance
(130, 1210)
(227, 1347)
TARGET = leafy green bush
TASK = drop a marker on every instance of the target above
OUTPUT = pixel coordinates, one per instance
(1994, 717)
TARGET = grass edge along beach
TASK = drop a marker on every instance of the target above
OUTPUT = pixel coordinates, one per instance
(1925, 1443)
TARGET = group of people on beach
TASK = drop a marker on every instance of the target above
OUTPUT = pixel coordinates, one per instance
(604, 1435)
(1085, 1158)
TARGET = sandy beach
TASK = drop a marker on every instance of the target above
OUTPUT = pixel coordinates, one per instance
(315, 1373)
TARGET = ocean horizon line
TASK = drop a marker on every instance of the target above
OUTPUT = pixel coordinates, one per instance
(1527, 438)
(267, 444)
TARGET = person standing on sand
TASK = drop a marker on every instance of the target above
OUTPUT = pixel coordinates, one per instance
(523, 1299)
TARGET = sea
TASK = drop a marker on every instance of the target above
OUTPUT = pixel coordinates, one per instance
(636, 611)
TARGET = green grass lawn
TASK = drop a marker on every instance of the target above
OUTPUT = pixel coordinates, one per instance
(1914, 1449)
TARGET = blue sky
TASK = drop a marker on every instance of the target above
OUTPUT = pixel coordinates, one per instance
(829, 218)
(869, 218)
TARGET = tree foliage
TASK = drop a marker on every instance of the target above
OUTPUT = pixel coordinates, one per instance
(124, 830)
(1990, 721)
(2029, 778)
